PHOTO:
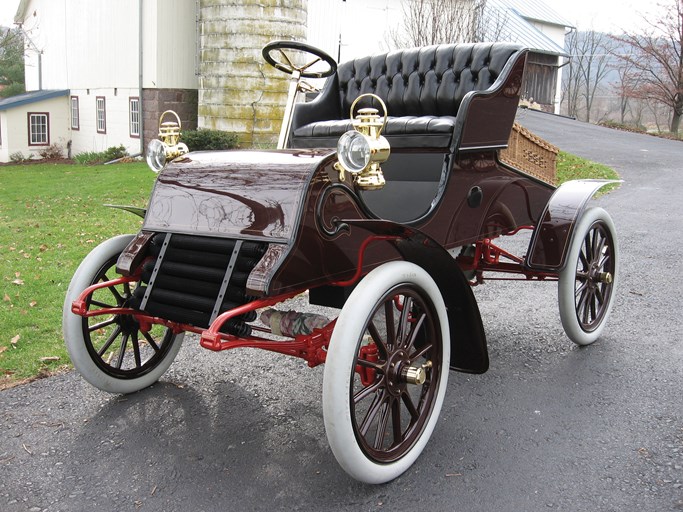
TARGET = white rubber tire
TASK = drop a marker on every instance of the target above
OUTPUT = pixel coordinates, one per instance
(568, 276)
(72, 326)
(340, 365)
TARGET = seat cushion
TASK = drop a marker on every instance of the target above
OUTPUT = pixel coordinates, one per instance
(401, 132)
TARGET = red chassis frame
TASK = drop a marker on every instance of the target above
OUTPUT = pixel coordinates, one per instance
(311, 347)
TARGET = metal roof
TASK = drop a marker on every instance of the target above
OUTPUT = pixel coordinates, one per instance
(21, 11)
(516, 28)
(31, 97)
(536, 10)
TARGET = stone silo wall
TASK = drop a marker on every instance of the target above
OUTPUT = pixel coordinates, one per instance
(238, 91)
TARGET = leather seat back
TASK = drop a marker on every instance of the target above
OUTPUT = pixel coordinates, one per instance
(430, 80)
(418, 85)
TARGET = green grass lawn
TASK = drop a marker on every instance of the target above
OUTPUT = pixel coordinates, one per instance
(51, 216)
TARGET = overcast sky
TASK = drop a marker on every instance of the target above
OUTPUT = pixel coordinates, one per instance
(605, 15)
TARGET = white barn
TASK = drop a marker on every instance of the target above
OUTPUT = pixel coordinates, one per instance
(118, 60)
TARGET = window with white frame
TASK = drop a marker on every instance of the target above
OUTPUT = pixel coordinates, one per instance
(134, 116)
(75, 114)
(101, 114)
(38, 129)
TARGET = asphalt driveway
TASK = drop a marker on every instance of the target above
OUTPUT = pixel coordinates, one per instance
(550, 427)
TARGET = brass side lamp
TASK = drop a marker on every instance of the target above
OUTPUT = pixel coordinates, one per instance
(361, 151)
(168, 145)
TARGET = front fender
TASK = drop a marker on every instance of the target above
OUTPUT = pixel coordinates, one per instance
(551, 239)
(468, 341)
(135, 210)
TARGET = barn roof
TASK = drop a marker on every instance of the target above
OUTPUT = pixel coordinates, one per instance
(31, 97)
(536, 10)
(517, 19)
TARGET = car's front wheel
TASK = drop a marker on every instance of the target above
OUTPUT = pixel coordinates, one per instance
(112, 352)
(386, 372)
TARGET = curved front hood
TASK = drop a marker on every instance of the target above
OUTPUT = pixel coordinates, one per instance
(238, 194)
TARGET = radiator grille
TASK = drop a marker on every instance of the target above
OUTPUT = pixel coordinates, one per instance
(192, 272)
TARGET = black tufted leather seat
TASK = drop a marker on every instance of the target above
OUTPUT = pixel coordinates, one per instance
(423, 89)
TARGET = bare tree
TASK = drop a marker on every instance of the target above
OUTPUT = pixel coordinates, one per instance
(656, 61)
(571, 83)
(624, 69)
(590, 53)
(427, 22)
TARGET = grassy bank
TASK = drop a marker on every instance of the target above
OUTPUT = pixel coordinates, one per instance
(570, 167)
(51, 216)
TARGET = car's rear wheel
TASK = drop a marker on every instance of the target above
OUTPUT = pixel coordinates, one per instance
(111, 352)
(386, 372)
(588, 282)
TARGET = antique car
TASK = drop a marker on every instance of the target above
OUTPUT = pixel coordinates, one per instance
(384, 201)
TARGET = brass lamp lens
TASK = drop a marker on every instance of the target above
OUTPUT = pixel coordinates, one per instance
(156, 155)
(353, 151)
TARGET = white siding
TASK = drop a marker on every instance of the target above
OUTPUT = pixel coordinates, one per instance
(4, 146)
(176, 47)
(46, 28)
(95, 43)
(117, 110)
(84, 43)
(14, 125)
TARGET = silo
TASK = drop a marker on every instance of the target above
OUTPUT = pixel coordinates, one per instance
(238, 91)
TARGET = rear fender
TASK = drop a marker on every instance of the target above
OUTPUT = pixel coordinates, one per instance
(468, 341)
(551, 239)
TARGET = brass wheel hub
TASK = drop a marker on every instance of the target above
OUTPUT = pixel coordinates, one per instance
(400, 373)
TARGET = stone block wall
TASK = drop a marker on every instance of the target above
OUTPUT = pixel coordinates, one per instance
(156, 101)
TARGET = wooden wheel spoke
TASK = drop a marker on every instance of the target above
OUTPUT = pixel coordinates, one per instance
(374, 408)
(417, 355)
(598, 247)
(382, 424)
(102, 325)
(584, 297)
(604, 260)
(413, 334)
(403, 321)
(580, 289)
(122, 353)
(378, 366)
(599, 296)
(586, 306)
(100, 304)
(396, 421)
(151, 341)
(119, 298)
(593, 306)
(136, 349)
(109, 341)
(377, 338)
(408, 402)
(367, 391)
(389, 320)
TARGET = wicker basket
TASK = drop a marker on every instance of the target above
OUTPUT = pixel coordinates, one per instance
(531, 154)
